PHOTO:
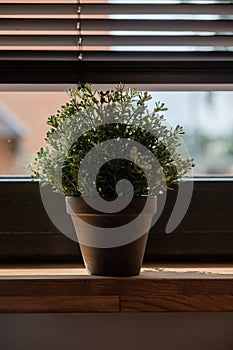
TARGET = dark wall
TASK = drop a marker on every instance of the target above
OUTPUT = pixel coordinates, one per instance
(160, 331)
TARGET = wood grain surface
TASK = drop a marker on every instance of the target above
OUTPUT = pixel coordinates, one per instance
(68, 288)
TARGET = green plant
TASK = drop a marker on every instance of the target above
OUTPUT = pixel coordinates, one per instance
(92, 117)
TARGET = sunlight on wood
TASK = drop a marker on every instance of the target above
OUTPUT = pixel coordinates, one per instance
(149, 271)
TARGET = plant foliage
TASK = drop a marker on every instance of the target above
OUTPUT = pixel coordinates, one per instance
(92, 117)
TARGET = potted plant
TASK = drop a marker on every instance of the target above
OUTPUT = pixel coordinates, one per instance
(111, 156)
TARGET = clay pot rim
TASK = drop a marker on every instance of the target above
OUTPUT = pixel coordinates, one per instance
(77, 206)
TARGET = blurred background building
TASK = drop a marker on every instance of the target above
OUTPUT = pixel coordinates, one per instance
(13, 131)
(207, 118)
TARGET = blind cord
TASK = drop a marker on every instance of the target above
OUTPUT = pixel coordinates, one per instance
(79, 32)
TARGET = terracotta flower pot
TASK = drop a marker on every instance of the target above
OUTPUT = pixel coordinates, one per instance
(107, 253)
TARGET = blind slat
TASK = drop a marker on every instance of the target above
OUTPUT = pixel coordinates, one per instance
(153, 56)
(15, 9)
(119, 25)
(111, 41)
(38, 55)
(161, 25)
(38, 24)
(38, 40)
(111, 56)
(112, 9)
(127, 40)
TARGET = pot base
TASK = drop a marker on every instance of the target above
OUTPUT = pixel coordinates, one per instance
(111, 259)
(122, 261)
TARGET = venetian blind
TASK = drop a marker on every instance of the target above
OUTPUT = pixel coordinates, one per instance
(120, 31)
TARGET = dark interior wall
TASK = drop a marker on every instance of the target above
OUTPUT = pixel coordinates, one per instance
(160, 331)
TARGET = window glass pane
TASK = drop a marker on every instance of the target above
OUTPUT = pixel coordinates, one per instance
(206, 116)
(23, 117)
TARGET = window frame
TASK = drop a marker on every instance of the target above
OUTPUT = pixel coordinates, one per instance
(27, 234)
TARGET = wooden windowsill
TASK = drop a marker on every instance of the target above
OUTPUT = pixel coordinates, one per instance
(159, 287)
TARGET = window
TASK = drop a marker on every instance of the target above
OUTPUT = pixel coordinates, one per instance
(205, 115)
(65, 42)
